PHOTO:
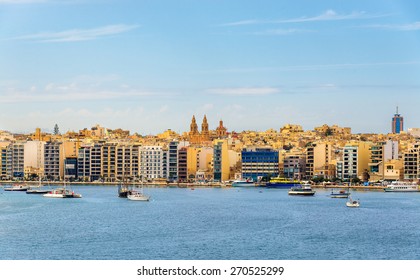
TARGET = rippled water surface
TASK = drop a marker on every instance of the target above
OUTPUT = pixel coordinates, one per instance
(235, 223)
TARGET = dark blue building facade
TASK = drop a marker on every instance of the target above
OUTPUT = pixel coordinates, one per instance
(259, 162)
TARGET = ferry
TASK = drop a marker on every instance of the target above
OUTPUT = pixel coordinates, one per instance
(282, 183)
(244, 183)
(398, 186)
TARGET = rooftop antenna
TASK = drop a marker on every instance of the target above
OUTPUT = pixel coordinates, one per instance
(397, 110)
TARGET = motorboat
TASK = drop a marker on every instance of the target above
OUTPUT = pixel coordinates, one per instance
(138, 196)
(352, 203)
(244, 183)
(62, 193)
(302, 190)
(339, 194)
(17, 188)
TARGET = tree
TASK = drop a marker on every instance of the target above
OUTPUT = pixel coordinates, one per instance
(56, 130)
(329, 132)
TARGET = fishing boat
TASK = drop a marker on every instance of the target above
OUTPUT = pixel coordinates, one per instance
(399, 186)
(17, 188)
(305, 191)
(124, 190)
(352, 203)
(339, 194)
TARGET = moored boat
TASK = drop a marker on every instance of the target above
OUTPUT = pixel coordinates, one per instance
(138, 196)
(62, 193)
(398, 186)
(339, 194)
(37, 191)
(352, 203)
(306, 191)
(244, 183)
(282, 183)
(16, 188)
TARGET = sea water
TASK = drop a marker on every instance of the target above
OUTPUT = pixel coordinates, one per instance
(209, 223)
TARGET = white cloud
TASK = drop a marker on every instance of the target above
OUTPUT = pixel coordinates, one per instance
(75, 35)
(244, 91)
(329, 15)
(415, 26)
(281, 32)
(21, 1)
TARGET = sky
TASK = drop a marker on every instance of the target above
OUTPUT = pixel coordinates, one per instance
(150, 65)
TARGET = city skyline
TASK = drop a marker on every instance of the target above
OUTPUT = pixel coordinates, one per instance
(149, 66)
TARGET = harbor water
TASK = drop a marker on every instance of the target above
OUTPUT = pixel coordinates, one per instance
(209, 223)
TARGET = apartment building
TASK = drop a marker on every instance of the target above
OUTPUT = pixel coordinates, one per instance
(151, 158)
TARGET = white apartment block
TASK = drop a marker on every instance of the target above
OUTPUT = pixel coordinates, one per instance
(151, 162)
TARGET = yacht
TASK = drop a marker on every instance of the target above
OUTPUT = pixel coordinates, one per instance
(302, 190)
(138, 196)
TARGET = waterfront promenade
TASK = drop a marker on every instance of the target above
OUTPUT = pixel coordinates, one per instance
(189, 185)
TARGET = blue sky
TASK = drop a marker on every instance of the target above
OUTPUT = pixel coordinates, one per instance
(150, 65)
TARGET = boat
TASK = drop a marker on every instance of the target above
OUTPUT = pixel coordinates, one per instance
(124, 190)
(60, 193)
(352, 203)
(282, 183)
(244, 183)
(399, 186)
(302, 190)
(38, 189)
(17, 188)
(137, 196)
(339, 194)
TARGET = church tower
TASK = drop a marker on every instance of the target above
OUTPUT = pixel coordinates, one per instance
(194, 133)
(221, 130)
(193, 127)
(205, 130)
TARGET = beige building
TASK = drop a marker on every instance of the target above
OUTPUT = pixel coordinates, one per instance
(318, 160)
(356, 158)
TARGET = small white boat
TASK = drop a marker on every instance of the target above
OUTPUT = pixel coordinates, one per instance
(62, 193)
(138, 196)
(352, 203)
(398, 186)
(244, 183)
(16, 188)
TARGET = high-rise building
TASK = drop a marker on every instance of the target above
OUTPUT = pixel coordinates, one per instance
(397, 123)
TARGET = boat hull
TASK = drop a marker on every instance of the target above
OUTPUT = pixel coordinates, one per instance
(243, 184)
(16, 189)
(409, 189)
(302, 193)
(138, 197)
(37, 191)
(282, 185)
